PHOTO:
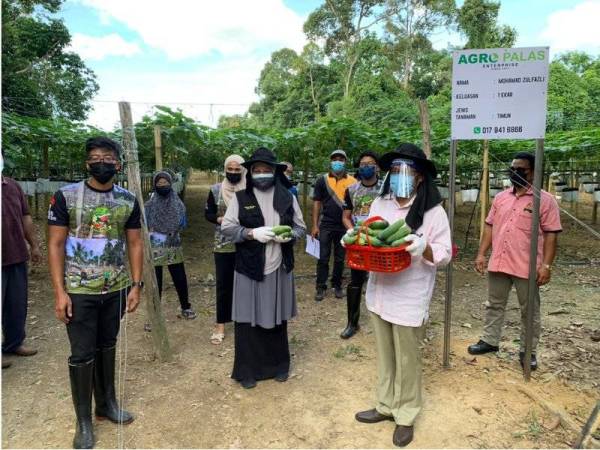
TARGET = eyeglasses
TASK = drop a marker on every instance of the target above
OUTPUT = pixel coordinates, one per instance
(106, 159)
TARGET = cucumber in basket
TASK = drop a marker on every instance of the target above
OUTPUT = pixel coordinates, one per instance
(390, 230)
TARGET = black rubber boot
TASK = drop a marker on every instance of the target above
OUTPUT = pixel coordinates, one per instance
(82, 381)
(353, 301)
(104, 389)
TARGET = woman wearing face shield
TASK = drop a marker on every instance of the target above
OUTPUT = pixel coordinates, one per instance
(264, 297)
(399, 302)
(166, 217)
(218, 200)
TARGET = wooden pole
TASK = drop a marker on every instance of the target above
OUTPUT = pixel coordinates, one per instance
(425, 126)
(305, 184)
(485, 186)
(159, 331)
(533, 251)
(46, 175)
(158, 148)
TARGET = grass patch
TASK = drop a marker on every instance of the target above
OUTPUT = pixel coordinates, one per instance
(349, 351)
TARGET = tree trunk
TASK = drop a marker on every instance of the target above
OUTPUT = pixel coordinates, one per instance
(305, 184)
(159, 331)
(425, 126)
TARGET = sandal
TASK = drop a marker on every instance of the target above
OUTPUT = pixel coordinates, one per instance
(217, 338)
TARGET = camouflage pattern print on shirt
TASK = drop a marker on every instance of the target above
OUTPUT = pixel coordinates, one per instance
(361, 199)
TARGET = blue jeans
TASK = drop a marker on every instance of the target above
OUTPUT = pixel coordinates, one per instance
(14, 305)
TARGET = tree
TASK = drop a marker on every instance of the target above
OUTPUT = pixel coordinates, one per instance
(343, 24)
(40, 78)
(477, 20)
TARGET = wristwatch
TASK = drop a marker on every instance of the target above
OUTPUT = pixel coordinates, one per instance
(139, 284)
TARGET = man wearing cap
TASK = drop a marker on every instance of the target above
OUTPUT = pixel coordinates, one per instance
(328, 227)
(508, 232)
(357, 204)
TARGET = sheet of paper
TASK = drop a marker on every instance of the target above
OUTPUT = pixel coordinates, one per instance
(312, 246)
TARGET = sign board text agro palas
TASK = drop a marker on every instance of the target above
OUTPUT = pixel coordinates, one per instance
(499, 93)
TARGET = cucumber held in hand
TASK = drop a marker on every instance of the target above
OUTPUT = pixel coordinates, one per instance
(402, 232)
(393, 228)
(281, 229)
(286, 235)
(398, 242)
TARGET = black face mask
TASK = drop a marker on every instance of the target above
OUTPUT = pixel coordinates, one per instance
(233, 178)
(102, 172)
(163, 190)
(518, 177)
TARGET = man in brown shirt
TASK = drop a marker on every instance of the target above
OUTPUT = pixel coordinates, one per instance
(17, 227)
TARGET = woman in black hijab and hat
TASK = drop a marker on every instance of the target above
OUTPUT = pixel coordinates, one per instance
(264, 296)
(399, 302)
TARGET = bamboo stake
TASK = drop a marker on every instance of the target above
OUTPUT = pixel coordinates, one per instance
(159, 332)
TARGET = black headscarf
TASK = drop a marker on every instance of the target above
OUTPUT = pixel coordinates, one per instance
(427, 194)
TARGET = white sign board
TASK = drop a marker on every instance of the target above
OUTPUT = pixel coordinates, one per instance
(499, 93)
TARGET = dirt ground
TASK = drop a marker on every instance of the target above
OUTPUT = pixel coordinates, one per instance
(192, 402)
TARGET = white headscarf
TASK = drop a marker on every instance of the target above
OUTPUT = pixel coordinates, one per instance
(227, 188)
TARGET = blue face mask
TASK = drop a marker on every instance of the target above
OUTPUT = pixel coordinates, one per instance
(402, 185)
(366, 172)
(337, 166)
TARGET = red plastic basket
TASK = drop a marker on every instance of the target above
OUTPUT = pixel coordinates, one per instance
(377, 259)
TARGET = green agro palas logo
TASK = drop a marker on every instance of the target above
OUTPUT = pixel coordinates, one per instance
(507, 56)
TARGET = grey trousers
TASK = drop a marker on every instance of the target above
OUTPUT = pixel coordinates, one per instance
(499, 286)
(399, 370)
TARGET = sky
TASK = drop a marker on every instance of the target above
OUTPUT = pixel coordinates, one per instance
(205, 56)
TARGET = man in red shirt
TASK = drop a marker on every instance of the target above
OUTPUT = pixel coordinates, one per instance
(508, 232)
(17, 229)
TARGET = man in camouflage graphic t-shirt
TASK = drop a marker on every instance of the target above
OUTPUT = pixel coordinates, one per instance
(91, 225)
(357, 204)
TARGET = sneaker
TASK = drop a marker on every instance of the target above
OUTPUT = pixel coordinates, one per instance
(188, 314)
(320, 295)
(339, 292)
(534, 363)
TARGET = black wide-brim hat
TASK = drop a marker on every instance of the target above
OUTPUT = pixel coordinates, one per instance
(264, 155)
(412, 152)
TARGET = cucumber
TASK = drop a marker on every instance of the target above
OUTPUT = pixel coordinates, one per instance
(387, 232)
(350, 239)
(372, 241)
(281, 229)
(402, 232)
(365, 230)
(286, 235)
(379, 225)
(399, 242)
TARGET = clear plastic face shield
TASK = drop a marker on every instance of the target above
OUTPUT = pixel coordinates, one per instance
(403, 176)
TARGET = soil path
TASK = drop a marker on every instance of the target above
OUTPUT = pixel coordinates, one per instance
(192, 402)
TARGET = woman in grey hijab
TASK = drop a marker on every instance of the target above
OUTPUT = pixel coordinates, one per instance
(165, 213)
(264, 296)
